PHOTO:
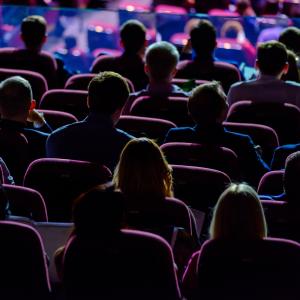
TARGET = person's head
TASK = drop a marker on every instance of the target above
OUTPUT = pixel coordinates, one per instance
(290, 37)
(291, 177)
(98, 212)
(161, 62)
(107, 94)
(272, 58)
(207, 104)
(15, 98)
(292, 73)
(238, 215)
(133, 36)
(34, 32)
(204, 38)
(143, 170)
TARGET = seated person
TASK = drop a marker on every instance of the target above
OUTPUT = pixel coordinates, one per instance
(280, 155)
(208, 108)
(272, 63)
(32, 58)
(160, 67)
(95, 138)
(203, 41)
(130, 63)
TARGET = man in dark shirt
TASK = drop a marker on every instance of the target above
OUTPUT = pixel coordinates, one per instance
(32, 58)
(203, 41)
(95, 138)
(130, 64)
(208, 108)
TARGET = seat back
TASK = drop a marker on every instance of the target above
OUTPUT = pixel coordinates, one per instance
(152, 128)
(26, 202)
(24, 273)
(284, 118)
(37, 81)
(173, 109)
(73, 102)
(271, 183)
(134, 265)
(60, 181)
(209, 156)
(262, 135)
(199, 187)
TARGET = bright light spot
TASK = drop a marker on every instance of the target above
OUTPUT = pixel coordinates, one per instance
(99, 29)
(130, 8)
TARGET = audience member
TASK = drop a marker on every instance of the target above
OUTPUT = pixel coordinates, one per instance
(290, 37)
(272, 63)
(160, 67)
(203, 40)
(34, 36)
(293, 72)
(208, 108)
(95, 138)
(130, 64)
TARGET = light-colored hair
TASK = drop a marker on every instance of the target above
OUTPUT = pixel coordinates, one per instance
(143, 171)
(238, 215)
(161, 59)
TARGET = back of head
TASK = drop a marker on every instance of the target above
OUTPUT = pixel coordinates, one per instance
(143, 171)
(161, 59)
(15, 97)
(238, 215)
(34, 30)
(207, 104)
(133, 36)
(290, 37)
(107, 93)
(271, 58)
(291, 178)
(203, 38)
(98, 212)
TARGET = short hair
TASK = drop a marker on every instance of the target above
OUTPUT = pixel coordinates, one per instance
(107, 92)
(207, 103)
(238, 215)
(133, 35)
(272, 57)
(15, 96)
(162, 59)
(98, 211)
(33, 29)
(290, 37)
(143, 171)
(203, 37)
(291, 178)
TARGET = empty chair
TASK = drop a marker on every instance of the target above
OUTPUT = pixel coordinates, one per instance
(57, 119)
(173, 109)
(271, 183)
(81, 82)
(284, 118)
(152, 128)
(26, 202)
(60, 181)
(74, 102)
(138, 266)
(37, 81)
(199, 187)
(263, 136)
(24, 273)
(209, 156)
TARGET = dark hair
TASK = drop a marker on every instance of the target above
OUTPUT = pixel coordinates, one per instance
(133, 35)
(272, 57)
(207, 103)
(292, 74)
(290, 37)
(203, 37)
(15, 96)
(33, 29)
(107, 92)
(98, 212)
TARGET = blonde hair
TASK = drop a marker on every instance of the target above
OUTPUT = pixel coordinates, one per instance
(143, 170)
(238, 215)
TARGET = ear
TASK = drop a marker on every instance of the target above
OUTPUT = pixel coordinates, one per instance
(88, 102)
(121, 44)
(146, 69)
(22, 37)
(173, 73)
(32, 105)
(256, 65)
(285, 68)
(44, 40)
